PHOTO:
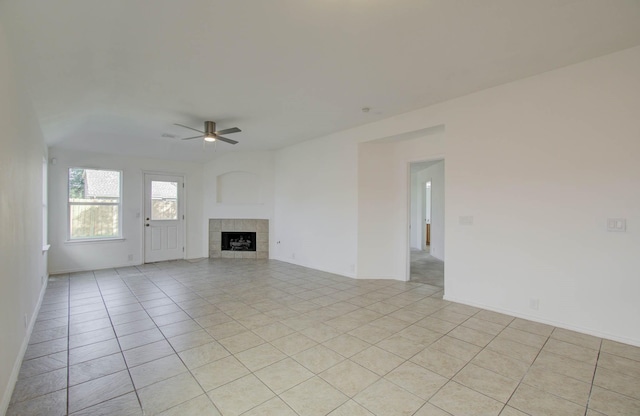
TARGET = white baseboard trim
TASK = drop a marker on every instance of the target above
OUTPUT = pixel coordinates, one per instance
(4, 405)
(340, 273)
(128, 264)
(87, 269)
(380, 278)
(563, 325)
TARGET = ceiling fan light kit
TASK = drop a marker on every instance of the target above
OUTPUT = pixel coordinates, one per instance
(210, 134)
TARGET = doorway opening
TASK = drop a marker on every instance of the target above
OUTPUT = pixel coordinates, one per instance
(427, 202)
(426, 243)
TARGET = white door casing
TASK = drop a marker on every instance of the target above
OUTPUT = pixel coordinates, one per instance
(164, 217)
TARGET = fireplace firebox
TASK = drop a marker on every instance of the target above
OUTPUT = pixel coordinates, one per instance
(238, 241)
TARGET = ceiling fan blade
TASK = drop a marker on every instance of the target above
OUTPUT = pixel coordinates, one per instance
(224, 139)
(187, 127)
(229, 131)
(194, 137)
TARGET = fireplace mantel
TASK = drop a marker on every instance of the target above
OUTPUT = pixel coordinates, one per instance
(259, 226)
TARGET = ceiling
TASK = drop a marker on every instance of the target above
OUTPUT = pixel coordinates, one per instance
(113, 76)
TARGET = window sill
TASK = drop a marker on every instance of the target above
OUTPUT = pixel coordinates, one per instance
(95, 240)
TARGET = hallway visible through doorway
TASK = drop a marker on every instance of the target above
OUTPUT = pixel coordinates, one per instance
(427, 222)
(426, 269)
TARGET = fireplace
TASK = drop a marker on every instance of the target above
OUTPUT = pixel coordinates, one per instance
(238, 241)
(238, 238)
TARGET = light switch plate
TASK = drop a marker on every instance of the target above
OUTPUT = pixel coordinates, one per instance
(617, 224)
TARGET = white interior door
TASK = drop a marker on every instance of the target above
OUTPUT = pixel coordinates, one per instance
(164, 218)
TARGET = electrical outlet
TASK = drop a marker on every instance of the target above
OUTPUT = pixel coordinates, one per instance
(352, 268)
(130, 258)
(41, 280)
(25, 320)
(293, 256)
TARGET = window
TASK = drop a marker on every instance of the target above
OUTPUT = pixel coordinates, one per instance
(45, 210)
(95, 203)
(164, 200)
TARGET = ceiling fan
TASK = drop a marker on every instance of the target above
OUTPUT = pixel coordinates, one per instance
(210, 134)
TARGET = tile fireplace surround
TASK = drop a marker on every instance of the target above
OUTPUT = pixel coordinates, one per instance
(260, 227)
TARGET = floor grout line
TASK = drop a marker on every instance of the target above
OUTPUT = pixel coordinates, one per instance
(593, 379)
(135, 390)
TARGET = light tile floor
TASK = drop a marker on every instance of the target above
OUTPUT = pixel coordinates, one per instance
(246, 337)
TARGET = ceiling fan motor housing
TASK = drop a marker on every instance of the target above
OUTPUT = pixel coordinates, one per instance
(210, 128)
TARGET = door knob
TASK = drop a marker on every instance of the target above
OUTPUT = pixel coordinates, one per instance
(146, 225)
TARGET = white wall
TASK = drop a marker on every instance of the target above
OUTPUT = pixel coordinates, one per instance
(525, 160)
(239, 199)
(434, 173)
(74, 256)
(541, 164)
(383, 202)
(22, 260)
(316, 205)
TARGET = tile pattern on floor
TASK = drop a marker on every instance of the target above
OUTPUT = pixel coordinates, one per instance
(246, 337)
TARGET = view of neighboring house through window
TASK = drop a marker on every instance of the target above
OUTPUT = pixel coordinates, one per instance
(95, 198)
(164, 198)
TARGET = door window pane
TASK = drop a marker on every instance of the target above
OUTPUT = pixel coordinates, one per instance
(164, 200)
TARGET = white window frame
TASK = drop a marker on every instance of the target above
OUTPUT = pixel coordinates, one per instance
(45, 204)
(119, 205)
